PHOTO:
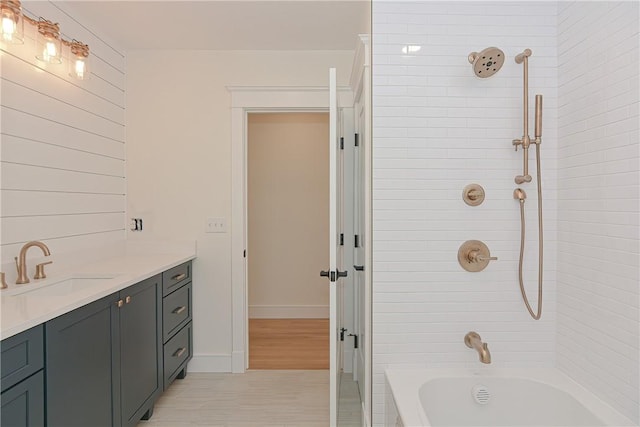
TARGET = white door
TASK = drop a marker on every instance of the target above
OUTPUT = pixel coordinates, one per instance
(336, 270)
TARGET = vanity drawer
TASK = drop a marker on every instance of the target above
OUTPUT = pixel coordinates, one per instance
(176, 311)
(22, 356)
(174, 278)
(177, 351)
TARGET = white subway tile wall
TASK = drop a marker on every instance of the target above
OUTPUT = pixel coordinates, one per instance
(63, 158)
(598, 200)
(437, 128)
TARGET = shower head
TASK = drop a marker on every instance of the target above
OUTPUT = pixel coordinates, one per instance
(487, 62)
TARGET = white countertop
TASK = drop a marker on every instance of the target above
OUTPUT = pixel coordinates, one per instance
(26, 310)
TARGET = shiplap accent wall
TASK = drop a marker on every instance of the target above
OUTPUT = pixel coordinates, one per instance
(63, 152)
(437, 128)
(598, 205)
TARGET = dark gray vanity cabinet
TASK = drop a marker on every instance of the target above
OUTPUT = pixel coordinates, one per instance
(140, 349)
(176, 322)
(103, 364)
(83, 362)
(22, 380)
(104, 359)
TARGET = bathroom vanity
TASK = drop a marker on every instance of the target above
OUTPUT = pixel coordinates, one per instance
(107, 359)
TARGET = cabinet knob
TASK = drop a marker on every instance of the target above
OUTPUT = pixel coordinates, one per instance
(127, 300)
(120, 303)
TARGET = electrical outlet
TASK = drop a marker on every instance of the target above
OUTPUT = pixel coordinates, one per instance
(136, 224)
(216, 225)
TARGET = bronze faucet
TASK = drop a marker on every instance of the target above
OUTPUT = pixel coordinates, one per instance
(473, 340)
(21, 263)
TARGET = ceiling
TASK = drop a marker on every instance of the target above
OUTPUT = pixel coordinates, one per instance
(226, 25)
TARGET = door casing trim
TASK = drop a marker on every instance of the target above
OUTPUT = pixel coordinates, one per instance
(245, 100)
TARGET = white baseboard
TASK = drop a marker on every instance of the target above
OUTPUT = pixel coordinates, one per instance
(210, 363)
(238, 362)
(288, 311)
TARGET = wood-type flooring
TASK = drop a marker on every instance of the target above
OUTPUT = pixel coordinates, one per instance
(289, 344)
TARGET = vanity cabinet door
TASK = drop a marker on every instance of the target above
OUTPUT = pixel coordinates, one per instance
(83, 366)
(22, 355)
(23, 404)
(140, 348)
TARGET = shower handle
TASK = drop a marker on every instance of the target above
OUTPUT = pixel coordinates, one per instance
(475, 256)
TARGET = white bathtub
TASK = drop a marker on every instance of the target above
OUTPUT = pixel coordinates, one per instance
(493, 397)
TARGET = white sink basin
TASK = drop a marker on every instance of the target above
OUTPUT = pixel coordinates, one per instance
(63, 287)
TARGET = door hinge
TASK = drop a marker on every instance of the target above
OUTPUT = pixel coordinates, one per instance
(355, 340)
(244, 253)
(342, 331)
(356, 241)
(342, 142)
(341, 239)
(357, 138)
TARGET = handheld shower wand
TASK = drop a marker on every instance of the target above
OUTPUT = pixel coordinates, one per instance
(519, 194)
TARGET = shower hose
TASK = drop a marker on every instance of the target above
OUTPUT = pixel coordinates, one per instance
(536, 315)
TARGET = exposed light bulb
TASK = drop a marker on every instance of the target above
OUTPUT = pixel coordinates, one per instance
(9, 28)
(49, 51)
(80, 69)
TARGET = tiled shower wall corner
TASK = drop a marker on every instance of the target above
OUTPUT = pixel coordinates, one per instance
(598, 205)
(437, 128)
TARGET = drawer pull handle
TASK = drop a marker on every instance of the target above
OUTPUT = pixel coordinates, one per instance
(179, 352)
(179, 310)
(179, 277)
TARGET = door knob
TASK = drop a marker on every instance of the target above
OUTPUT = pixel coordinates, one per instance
(333, 275)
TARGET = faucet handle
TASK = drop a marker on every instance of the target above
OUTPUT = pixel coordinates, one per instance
(3, 283)
(40, 274)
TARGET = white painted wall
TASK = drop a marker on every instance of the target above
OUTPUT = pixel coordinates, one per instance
(287, 218)
(179, 156)
(437, 128)
(598, 208)
(63, 167)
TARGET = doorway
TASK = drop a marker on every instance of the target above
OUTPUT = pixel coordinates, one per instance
(287, 238)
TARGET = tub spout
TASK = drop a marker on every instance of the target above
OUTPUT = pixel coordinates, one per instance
(473, 340)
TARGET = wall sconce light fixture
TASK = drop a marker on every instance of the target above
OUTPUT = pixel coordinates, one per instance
(49, 42)
(12, 22)
(79, 60)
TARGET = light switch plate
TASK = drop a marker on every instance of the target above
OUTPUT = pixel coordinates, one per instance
(216, 225)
